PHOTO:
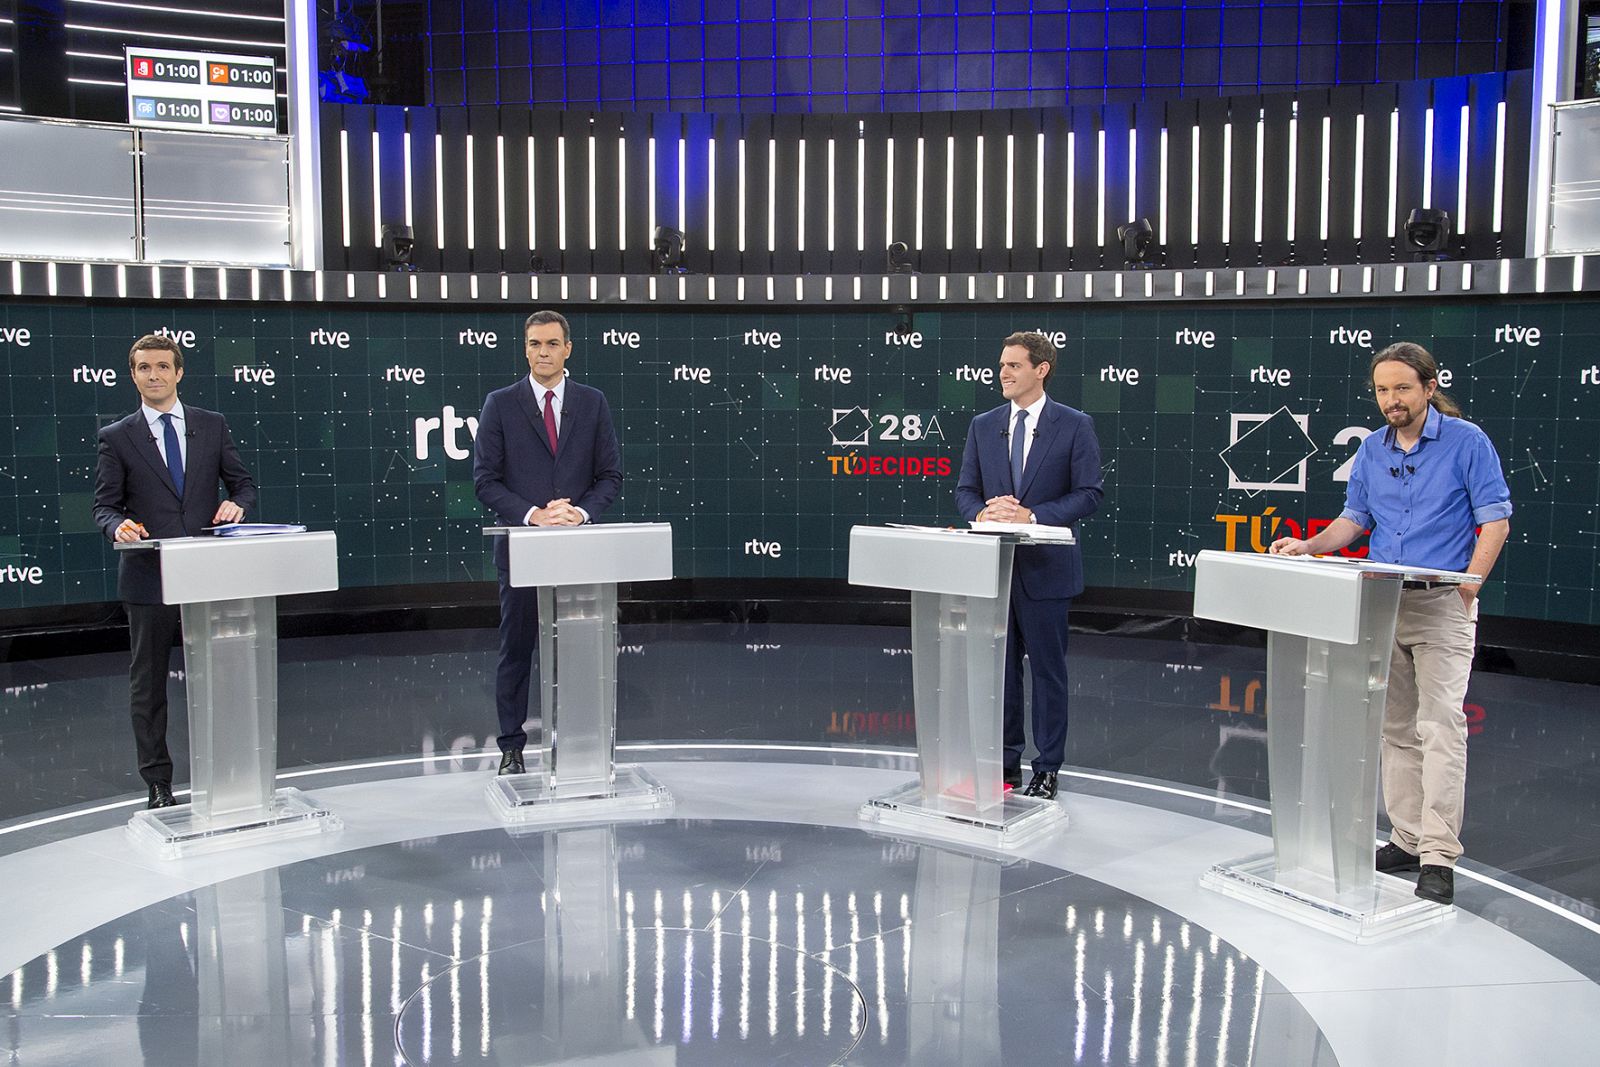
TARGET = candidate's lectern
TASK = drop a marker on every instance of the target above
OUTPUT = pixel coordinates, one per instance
(576, 570)
(960, 585)
(1330, 631)
(227, 588)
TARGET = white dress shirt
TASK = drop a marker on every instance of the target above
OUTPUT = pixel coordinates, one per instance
(1031, 427)
(539, 393)
(152, 418)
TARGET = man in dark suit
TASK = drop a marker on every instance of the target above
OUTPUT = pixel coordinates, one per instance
(545, 455)
(1034, 460)
(157, 476)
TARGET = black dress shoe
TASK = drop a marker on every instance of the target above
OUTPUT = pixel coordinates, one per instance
(1012, 776)
(1042, 784)
(161, 796)
(1392, 859)
(511, 761)
(1437, 884)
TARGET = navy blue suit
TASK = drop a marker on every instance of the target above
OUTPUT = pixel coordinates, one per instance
(1061, 485)
(131, 481)
(514, 472)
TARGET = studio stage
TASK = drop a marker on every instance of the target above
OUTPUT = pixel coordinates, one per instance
(760, 921)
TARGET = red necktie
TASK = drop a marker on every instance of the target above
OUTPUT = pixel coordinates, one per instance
(550, 418)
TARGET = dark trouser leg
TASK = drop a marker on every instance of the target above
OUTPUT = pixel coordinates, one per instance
(1043, 624)
(519, 640)
(1012, 735)
(152, 631)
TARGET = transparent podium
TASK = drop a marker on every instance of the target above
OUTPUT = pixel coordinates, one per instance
(227, 590)
(1330, 631)
(576, 570)
(960, 585)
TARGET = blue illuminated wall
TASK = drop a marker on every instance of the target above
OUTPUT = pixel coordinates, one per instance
(922, 55)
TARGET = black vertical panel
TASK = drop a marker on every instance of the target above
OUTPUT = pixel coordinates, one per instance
(1148, 117)
(1213, 113)
(1182, 115)
(1449, 94)
(453, 178)
(845, 258)
(1377, 105)
(1025, 248)
(1484, 93)
(786, 131)
(965, 126)
(934, 257)
(514, 128)
(1275, 246)
(875, 143)
(576, 127)
(1308, 246)
(333, 251)
(697, 130)
(1117, 119)
(1057, 180)
(422, 124)
(545, 129)
(606, 129)
(727, 129)
(1414, 99)
(391, 126)
(1087, 253)
(1519, 102)
(757, 133)
(362, 255)
(995, 127)
(667, 128)
(1344, 104)
(816, 129)
(905, 127)
(1244, 112)
(636, 190)
(483, 122)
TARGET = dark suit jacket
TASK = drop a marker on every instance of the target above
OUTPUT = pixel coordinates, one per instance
(1060, 485)
(514, 470)
(131, 481)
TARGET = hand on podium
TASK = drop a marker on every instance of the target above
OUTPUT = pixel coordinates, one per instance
(556, 513)
(227, 511)
(129, 531)
(1004, 509)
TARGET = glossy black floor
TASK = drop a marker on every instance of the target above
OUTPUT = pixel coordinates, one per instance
(1158, 709)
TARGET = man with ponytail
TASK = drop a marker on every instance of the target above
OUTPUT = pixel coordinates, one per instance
(1431, 490)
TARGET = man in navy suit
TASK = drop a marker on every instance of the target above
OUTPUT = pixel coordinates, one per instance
(1034, 460)
(157, 476)
(545, 455)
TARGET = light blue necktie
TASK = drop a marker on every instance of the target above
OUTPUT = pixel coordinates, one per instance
(174, 453)
(1017, 432)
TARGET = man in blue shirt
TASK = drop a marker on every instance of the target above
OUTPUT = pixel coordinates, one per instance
(1431, 490)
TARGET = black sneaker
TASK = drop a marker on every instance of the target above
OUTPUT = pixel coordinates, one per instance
(1393, 859)
(1437, 884)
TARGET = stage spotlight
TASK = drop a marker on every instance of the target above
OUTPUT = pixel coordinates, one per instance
(1136, 238)
(398, 245)
(666, 249)
(898, 258)
(1428, 233)
(904, 321)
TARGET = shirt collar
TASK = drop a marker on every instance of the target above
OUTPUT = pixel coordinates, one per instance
(1431, 422)
(1032, 409)
(152, 416)
(560, 391)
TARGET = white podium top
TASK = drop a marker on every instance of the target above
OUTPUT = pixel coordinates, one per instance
(587, 555)
(928, 560)
(197, 570)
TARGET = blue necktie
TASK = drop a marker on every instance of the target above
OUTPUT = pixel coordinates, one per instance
(174, 453)
(1017, 432)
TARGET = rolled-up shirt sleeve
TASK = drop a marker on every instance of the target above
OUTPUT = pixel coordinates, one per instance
(1356, 508)
(1487, 491)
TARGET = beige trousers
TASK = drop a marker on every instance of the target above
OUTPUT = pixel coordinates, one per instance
(1424, 725)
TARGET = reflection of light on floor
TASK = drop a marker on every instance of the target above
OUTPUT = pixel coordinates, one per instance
(366, 988)
(483, 974)
(716, 963)
(800, 965)
(688, 968)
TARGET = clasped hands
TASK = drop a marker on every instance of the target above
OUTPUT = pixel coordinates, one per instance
(1004, 509)
(130, 530)
(556, 513)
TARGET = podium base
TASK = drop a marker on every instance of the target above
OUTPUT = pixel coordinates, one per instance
(955, 820)
(526, 798)
(177, 832)
(1386, 910)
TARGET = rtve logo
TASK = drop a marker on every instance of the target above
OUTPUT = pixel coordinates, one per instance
(1342, 335)
(1517, 335)
(94, 375)
(20, 336)
(331, 338)
(1055, 337)
(911, 339)
(763, 339)
(449, 425)
(969, 373)
(758, 547)
(622, 338)
(185, 338)
(14, 574)
(478, 339)
(1192, 338)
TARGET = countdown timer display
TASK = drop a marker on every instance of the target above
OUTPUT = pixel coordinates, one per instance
(201, 90)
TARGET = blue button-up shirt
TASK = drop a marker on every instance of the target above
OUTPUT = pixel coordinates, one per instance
(1424, 506)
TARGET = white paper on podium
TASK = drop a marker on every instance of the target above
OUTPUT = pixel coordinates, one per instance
(1033, 531)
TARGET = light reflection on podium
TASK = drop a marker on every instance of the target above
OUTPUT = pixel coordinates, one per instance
(242, 972)
(953, 1014)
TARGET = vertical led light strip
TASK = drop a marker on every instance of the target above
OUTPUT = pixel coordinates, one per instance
(772, 194)
(1162, 206)
(800, 200)
(344, 182)
(1261, 176)
(888, 192)
(652, 219)
(622, 195)
(561, 192)
(438, 186)
(921, 170)
(1038, 190)
(593, 192)
(1427, 158)
(533, 228)
(683, 191)
(861, 187)
(1327, 162)
(1461, 171)
(377, 195)
(1227, 182)
(1133, 169)
(1100, 190)
(1394, 167)
(1294, 165)
(472, 224)
(1194, 187)
(977, 232)
(1361, 173)
(742, 202)
(500, 188)
(833, 160)
(711, 195)
(1011, 186)
(1072, 183)
(405, 149)
(949, 193)
(1499, 163)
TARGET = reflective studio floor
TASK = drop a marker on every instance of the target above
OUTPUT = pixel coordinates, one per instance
(759, 921)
